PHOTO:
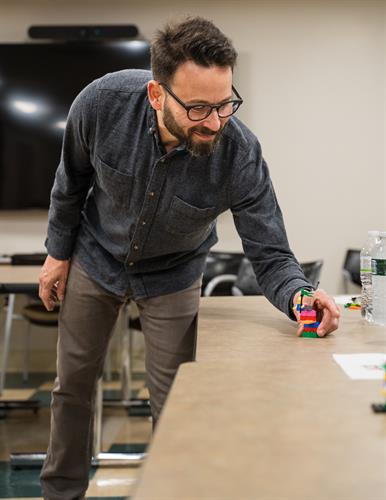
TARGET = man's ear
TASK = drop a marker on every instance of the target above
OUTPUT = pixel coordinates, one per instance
(154, 93)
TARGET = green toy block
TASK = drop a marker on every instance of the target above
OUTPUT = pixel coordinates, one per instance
(311, 335)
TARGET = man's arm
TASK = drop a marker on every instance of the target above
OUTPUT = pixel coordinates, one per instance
(259, 222)
(73, 176)
(72, 182)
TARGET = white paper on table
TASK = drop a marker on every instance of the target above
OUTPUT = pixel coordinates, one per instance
(344, 299)
(366, 366)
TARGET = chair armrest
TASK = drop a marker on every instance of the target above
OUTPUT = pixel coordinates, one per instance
(214, 282)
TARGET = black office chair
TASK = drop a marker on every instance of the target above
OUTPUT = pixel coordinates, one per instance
(312, 271)
(351, 269)
(220, 273)
(245, 282)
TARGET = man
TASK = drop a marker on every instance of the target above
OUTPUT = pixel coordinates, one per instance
(148, 163)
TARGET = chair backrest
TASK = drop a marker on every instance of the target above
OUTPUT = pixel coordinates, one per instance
(218, 264)
(246, 283)
(312, 271)
(351, 266)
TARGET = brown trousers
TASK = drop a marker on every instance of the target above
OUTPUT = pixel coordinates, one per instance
(87, 318)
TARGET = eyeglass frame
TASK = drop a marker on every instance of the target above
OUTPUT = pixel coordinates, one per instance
(188, 107)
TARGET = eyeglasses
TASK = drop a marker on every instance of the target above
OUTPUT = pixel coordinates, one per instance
(198, 112)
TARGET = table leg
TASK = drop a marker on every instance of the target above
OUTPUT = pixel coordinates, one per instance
(7, 339)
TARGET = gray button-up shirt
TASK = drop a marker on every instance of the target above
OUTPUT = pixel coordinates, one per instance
(142, 219)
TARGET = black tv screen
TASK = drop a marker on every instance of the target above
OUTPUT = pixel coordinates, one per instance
(38, 82)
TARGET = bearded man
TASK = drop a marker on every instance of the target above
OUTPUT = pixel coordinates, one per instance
(149, 161)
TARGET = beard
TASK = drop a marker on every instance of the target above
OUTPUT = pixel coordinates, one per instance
(194, 147)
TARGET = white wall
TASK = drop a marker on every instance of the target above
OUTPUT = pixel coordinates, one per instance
(312, 74)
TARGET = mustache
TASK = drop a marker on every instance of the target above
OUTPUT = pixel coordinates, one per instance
(204, 130)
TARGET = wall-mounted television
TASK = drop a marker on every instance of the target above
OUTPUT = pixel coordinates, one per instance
(38, 82)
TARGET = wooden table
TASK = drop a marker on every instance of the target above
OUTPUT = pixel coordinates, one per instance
(265, 415)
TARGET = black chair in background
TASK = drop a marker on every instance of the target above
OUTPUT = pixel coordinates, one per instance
(31, 313)
(220, 272)
(351, 269)
(34, 312)
(245, 283)
(312, 271)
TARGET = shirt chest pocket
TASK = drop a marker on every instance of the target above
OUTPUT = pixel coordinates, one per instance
(187, 220)
(113, 184)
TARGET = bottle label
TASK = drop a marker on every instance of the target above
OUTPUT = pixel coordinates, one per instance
(365, 266)
(378, 267)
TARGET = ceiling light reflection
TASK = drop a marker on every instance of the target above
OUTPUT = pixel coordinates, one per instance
(61, 124)
(27, 107)
(134, 44)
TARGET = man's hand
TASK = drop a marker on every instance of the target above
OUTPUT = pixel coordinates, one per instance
(327, 312)
(52, 281)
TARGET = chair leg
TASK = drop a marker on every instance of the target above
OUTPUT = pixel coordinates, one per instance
(107, 375)
(107, 369)
(7, 339)
(97, 447)
(131, 345)
(125, 353)
(27, 345)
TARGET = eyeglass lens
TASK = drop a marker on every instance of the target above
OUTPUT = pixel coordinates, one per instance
(202, 111)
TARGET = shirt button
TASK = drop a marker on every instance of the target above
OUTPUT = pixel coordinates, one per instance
(131, 264)
(152, 193)
(143, 223)
(162, 160)
(135, 247)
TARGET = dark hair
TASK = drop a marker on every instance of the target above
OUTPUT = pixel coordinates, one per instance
(194, 39)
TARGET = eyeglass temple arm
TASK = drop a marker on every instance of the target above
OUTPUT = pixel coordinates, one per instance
(237, 94)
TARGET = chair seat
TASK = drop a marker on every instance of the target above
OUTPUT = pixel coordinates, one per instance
(38, 315)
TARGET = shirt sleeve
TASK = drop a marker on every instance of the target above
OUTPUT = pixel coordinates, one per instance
(259, 222)
(73, 176)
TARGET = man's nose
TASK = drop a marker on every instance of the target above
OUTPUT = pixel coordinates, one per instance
(213, 121)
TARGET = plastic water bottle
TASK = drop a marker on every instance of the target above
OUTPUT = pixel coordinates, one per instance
(366, 275)
(378, 271)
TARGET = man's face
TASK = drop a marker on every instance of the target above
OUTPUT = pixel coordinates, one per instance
(195, 84)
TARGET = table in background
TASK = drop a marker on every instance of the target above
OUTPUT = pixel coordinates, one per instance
(23, 280)
(263, 414)
(14, 280)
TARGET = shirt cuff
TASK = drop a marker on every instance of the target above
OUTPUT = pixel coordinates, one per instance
(59, 248)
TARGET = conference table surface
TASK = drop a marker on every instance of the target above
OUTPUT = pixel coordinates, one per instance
(266, 415)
